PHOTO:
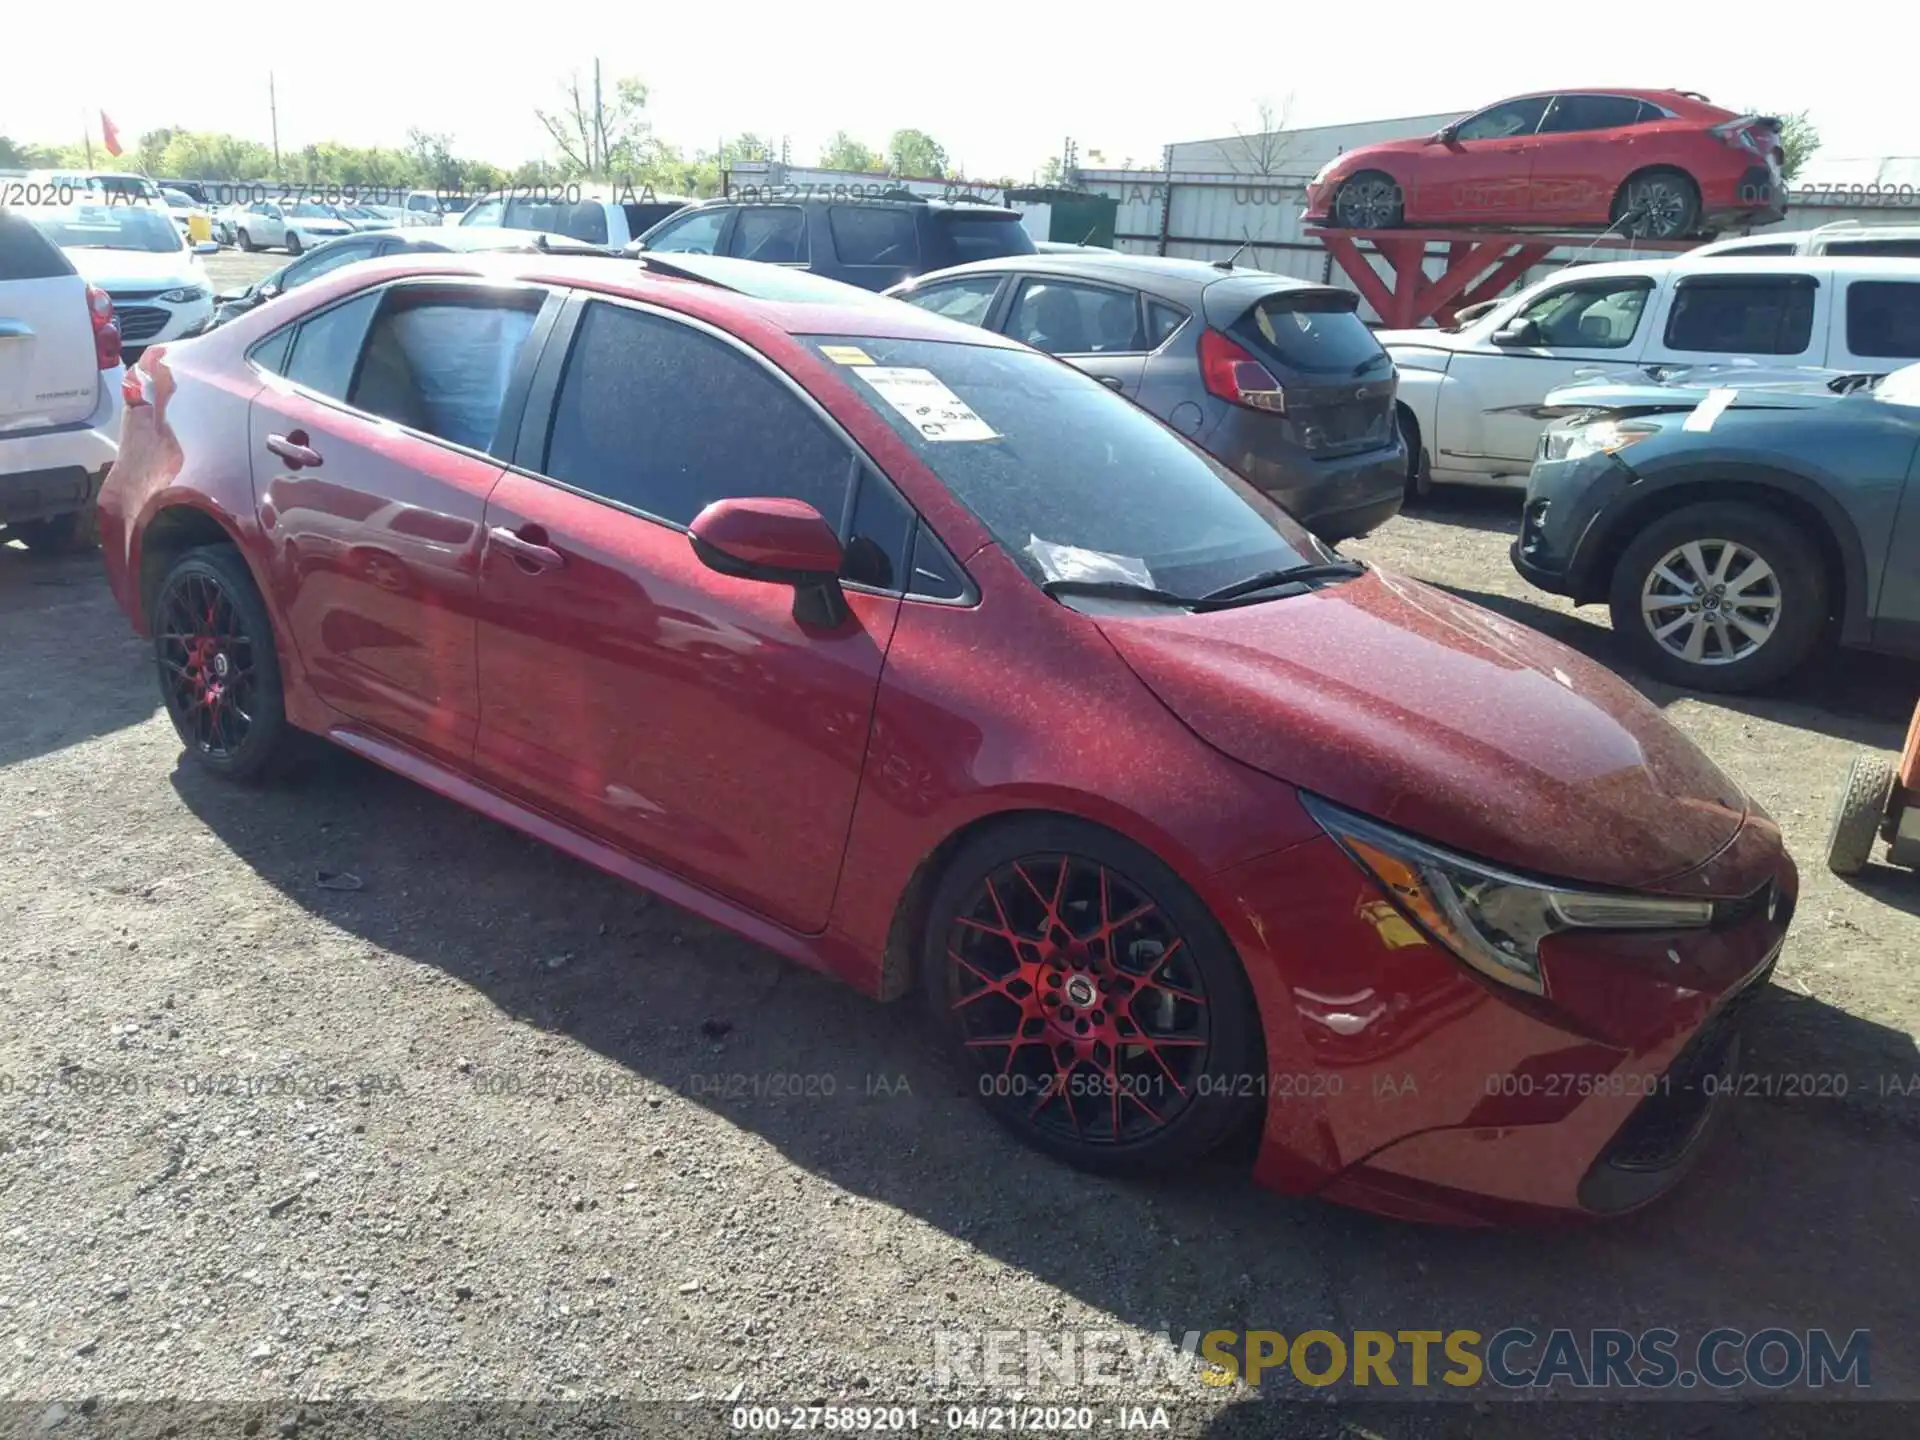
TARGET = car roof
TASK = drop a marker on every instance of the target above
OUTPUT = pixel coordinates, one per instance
(1679, 101)
(1890, 266)
(1166, 274)
(837, 310)
(958, 205)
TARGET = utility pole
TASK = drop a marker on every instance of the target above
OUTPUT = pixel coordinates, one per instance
(273, 115)
(598, 140)
(86, 137)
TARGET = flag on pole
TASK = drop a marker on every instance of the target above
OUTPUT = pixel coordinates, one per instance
(109, 134)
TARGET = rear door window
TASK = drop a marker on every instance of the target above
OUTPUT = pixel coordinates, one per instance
(1064, 318)
(327, 346)
(1883, 319)
(873, 234)
(772, 234)
(1742, 315)
(1571, 113)
(440, 363)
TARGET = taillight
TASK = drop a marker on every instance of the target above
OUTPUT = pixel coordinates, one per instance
(1756, 137)
(106, 331)
(1229, 371)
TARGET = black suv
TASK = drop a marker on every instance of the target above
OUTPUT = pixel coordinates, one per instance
(872, 243)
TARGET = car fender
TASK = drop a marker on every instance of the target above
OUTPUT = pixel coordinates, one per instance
(1714, 476)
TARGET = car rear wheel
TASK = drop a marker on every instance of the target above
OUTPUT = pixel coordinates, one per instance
(1369, 201)
(1658, 205)
(61, 534)
(1099, 1009)
(1722, 596)
(219, 675)
(1419, 474)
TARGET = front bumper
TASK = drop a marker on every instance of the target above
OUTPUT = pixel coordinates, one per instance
(55, 471)
(1402, 1082)
(1561, 542)
(146, 320)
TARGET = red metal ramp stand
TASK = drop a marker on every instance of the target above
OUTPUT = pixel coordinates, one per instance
(1479, 265)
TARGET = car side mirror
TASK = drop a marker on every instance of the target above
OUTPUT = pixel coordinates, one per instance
(206, 247)
(1520, 332)
(268, 291)
(780, 542)
(1443, 136)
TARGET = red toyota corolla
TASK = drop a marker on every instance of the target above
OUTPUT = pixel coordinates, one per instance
(1659, 163)
(925, 660)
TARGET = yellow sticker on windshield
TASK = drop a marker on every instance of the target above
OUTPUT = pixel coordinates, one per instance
(846, 354)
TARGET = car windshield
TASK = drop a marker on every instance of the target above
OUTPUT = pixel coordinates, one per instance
(110, 227)
(310, 212)
(1313, 333)
(1073, 481)
(1902, 387)
(177, 199)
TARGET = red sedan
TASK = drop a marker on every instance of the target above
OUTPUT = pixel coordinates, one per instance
(923, 659)
(1663, 164)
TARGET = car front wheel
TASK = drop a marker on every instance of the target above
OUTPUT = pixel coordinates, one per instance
(1369, 201)
(1721, 596)
(219, 674)
(293, 242)
(1099, 1010)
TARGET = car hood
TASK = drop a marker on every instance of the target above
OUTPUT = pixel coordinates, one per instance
(1637, 392)
(137, 269)
(1397, 700)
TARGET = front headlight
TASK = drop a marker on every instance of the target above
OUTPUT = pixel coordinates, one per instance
(1492, 919)
(185, 295)
(1576, 442)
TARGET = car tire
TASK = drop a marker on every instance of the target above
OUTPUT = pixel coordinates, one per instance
(1860, 814)
(1672, 202)
(1020, 943)
(1708, 638)
(294, 246)
(218, 670)
(1419, 473)
(246, 241)
(1370, 200)
(67, 534)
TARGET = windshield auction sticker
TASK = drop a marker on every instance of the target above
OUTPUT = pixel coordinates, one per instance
(928, 405)
(846, 354)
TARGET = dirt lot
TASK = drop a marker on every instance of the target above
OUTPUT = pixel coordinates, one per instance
(462, 1138)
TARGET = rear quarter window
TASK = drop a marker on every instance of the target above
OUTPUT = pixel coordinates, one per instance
(26, 254)
(873, 234)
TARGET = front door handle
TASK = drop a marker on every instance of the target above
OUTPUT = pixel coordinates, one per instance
(1113, 382)
(530, 552)
(292, 447)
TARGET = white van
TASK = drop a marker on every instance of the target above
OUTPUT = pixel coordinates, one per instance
(1458, 387)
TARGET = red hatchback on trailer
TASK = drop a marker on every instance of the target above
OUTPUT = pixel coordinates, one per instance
(925, 660)
(1663, 164)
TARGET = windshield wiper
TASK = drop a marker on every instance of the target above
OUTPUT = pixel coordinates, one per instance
(1116, 590)
(1293, 575)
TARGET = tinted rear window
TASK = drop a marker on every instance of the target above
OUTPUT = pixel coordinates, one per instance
(26, 254)
(1310, 334)
(873, 234)
(585, 220)
(1073, 481)
(1899, 249)
(984, 237)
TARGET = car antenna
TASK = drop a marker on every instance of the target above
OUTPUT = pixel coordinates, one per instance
(1227, 264)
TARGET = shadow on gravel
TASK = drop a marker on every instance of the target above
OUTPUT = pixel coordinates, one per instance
(70, 669)
(1468, 507)
(1847, 694)
(1800, 1214)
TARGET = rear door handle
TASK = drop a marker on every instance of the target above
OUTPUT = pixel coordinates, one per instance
(1113, 382)
(292, 447)
(529, 551)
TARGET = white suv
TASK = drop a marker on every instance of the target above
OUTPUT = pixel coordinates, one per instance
(1842, 237)
(1464, 393)
(60, 375)
(159, 288)
(613, 219)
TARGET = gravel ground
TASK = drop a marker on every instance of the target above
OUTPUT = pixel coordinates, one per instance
(460, 1130)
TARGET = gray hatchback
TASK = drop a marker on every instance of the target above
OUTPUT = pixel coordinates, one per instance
(1276, 378)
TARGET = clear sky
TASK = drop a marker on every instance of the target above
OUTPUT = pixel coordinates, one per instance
(999, 84)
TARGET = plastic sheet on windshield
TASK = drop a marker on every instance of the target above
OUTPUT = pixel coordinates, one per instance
(1075, 562)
